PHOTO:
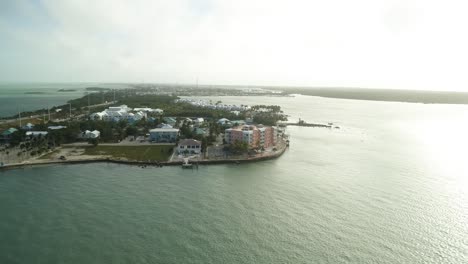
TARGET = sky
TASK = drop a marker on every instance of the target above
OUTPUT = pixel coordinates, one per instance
(396, 44)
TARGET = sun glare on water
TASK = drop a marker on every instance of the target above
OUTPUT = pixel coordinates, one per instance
(444, 147)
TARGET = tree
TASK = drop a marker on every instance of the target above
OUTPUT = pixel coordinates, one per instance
(239, 147)
(16, 138)
(131, 131)
(186, 131)
(93, 141)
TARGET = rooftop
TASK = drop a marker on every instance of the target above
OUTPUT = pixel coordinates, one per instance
(9, 131)
(164, 130)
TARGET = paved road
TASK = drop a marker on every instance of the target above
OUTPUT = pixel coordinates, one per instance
(5, 121)
(123, 143)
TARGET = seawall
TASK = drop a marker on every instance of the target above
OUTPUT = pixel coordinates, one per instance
(275, 155)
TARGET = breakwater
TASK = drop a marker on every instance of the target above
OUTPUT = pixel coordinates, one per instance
(305, 124)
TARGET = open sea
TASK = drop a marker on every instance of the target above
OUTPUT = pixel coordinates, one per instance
(390, 186)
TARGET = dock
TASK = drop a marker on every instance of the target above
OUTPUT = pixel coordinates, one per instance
(302, 123)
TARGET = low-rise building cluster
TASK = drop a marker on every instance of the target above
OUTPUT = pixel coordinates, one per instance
(123, 112)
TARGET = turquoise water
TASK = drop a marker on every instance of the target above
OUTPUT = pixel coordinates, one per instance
(390, 186)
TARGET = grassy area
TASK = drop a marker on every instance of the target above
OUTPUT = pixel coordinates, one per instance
(140, 153)
(24, 121)
(49, 155)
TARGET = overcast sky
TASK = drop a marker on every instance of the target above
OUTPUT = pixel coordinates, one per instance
(404, 44)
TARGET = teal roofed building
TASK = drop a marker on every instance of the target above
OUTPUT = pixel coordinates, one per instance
(7, 134)
(169, 120)
(199, 131)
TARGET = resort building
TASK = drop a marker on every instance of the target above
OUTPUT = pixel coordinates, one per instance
(189, 146)
(255, 136)
(166, 135)
(118, 113)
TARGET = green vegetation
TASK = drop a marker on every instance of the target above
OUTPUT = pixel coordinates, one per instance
(138, 153)
(268, 115)
(238, 147)
(97, 89)
(67, 90)
(49, 155)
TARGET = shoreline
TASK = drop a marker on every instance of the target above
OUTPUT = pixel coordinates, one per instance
(275, 155)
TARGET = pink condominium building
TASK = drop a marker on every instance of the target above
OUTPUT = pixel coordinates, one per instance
(255, 136)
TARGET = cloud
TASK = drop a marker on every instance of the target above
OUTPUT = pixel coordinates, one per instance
(389, 44)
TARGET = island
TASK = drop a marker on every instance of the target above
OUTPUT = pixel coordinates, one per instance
(67, 90)
(135, 126)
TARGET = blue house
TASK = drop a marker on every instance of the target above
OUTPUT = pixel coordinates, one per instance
(164, 135)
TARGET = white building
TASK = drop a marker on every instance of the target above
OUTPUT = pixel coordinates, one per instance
(90, 134)
(118, 113)
(224, 121)
(198, 121)
(36, 133)
(189, 146)
(28, 126)
(122, 108)
(56, 127)
(149, 110)
(158, 111)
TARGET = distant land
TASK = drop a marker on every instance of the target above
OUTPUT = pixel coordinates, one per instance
(410, 96)
(98, 89)
(34, 92)
(67, 90)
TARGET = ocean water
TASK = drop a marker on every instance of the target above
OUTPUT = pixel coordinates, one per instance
(390, 186)
(16, 97)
